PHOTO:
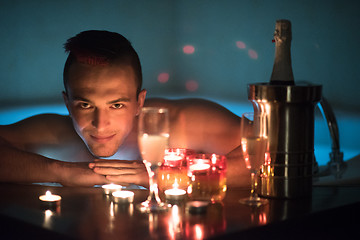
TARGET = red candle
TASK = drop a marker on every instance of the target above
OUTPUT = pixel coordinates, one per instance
(207, 175)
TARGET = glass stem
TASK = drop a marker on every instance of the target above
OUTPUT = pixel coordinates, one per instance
(154, 192)
(253, 194)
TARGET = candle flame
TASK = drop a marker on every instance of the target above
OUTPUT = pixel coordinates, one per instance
(213, 158)
(48, 193)
(175, 185)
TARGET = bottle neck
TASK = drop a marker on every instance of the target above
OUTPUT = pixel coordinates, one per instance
(282, 70)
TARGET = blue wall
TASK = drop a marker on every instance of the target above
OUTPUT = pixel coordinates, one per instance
(231, 43)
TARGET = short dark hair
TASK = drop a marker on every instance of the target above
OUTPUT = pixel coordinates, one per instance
(95, 47)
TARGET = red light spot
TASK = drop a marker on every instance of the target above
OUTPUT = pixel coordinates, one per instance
(240, 45)
(163, 77)
(253, 54)
(191, 85)
(188, 49)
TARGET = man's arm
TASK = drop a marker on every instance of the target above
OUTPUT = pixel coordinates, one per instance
(18, 164)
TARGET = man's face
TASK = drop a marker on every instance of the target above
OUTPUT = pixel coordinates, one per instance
(102, 104)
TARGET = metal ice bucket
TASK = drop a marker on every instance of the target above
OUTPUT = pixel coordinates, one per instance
(290, 109)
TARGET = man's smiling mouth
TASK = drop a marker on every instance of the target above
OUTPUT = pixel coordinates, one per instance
(102, 139)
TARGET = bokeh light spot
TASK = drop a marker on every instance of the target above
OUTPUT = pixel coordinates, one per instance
(192, 85)
(188, 49)
(253, 54)
(240, 45)
(163, 77)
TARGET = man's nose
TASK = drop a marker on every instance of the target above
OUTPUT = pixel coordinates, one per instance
(101, 119)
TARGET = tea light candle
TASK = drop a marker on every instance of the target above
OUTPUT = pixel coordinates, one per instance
(110, 188)
(197, 207)
(172, 157)
(123, 196)
(48, 197)
(50, 200)
(173, 160)
(175, 194)
(200, 165)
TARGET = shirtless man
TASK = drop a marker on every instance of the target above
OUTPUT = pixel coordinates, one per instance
(104, 95)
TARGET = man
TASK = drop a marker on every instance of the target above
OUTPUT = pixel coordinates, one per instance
(104, 95)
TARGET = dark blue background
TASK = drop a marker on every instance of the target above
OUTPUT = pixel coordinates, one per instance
(231, 41)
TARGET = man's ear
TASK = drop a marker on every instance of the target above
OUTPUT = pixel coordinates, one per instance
(66, 101)
(141, 101)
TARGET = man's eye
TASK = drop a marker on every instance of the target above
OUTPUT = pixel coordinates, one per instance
(117, 105)
(85, 105)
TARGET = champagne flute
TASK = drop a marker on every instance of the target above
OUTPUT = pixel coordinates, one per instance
(254, 145)
(153, 137)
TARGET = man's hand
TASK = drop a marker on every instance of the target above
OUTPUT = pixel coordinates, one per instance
(79, 174)
(122, 171)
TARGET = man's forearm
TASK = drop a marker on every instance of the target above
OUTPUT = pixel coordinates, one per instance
(24, 167)
(19, 166)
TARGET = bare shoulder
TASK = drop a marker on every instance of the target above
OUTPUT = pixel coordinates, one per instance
(196, 106)
(201, 124)
(38, 129)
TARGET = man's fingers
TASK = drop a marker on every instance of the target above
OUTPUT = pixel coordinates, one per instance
(116, 164)
(117, 171)
(129, 179)
(121, 171)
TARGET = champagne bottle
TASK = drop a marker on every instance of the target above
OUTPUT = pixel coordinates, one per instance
(282, 73)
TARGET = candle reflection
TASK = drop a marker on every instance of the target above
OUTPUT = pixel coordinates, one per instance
(47, 219)
(112, 211)
(112, 217)
(262, 219)
(116, 209)
(175, 223)
(259, 215)
(205, 224)
(199, 231)
(153, 223)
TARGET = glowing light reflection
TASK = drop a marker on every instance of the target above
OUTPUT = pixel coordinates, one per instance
(163, 77)
(199, 232)
(174, 223)
(112, 210)
(188, 49)
(240, 44)
(191, 85)
(262, 218)
(47, 219)
(253, 54)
